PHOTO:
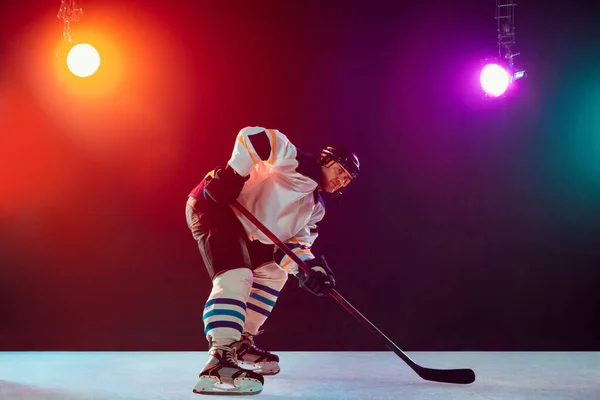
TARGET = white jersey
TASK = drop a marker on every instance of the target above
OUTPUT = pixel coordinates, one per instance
(281, 191)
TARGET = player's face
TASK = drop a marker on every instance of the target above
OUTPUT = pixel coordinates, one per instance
(335, 177)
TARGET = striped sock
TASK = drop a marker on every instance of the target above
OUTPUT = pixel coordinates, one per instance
(268, 281)
(225, 311)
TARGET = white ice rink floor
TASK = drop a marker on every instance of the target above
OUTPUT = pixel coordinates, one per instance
(304, 375)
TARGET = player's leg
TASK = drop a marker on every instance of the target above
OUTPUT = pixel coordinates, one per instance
(269, 279)
(222, 244)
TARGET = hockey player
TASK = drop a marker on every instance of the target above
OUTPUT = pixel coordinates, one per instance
(281, 186)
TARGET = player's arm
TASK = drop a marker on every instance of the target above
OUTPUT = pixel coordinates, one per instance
(257, 144)
(252, 145)
(321, 279)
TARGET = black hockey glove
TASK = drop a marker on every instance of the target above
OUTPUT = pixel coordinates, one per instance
(320, 280)
(225, 187)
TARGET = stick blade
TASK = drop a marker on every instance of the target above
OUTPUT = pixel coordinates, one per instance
(457, 376)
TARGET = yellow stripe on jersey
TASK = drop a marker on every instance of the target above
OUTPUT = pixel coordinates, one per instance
(296, 252)
(243, 142)
(273, 145)
(296, 241)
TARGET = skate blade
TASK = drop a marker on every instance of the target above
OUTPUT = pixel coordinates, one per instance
(213, 386)
(265, 368)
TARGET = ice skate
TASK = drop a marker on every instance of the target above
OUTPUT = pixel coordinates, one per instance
(222, 375)
(251, 357)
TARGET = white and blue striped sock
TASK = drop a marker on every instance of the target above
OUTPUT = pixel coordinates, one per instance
(225, 311)
(269, 279)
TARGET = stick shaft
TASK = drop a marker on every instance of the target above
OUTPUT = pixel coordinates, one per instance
(459, 376)
(333, 293)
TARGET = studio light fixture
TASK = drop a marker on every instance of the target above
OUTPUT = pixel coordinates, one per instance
(499, 73)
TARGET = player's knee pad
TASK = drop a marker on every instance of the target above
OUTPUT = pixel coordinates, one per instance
(233, 281)
(271, 273)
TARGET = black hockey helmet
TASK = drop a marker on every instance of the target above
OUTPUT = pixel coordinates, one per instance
(343, 156)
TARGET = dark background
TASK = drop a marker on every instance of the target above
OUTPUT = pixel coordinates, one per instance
(474, 224)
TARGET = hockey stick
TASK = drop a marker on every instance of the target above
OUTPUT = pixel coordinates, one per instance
(459, 376)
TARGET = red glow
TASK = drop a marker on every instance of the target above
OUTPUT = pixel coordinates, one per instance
(117, 121)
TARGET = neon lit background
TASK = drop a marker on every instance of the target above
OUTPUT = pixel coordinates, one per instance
(473, 226)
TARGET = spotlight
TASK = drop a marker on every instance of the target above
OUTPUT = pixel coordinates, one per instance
(83, 60)
(494, 80)
(499, 74)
